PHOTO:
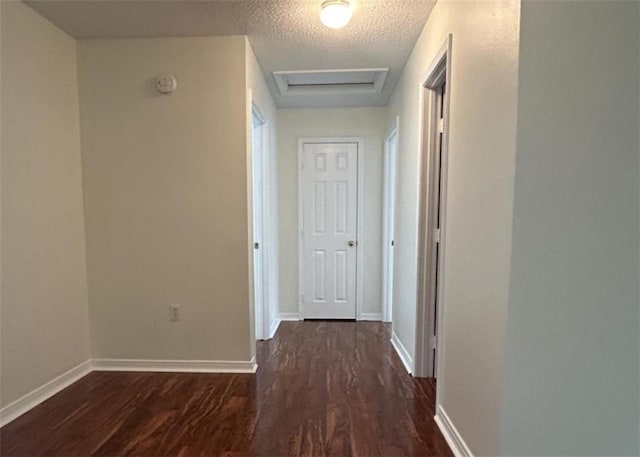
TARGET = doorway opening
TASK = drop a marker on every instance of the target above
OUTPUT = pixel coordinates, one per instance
(388, 220)
(259, 199)
(330, 246)
(432, 213)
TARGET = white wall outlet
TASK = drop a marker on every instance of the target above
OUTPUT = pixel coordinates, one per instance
(174, 313)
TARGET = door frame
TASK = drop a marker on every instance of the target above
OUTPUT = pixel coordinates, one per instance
(359, 215)
(390, 167)
(261, 310)
(438, 72)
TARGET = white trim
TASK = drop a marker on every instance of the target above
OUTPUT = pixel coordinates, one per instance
(300, 171)
(29, 401)
(257, 112)
(175, 366)
(433, 75)
(439, 71)
(23, 404)
(289, 317)
(451, 434)
(282, 82)
(388, 203)
(360, 243)
(249, 176)
(370, 317)
(402, 352)
(360, 226)
(274, 327)
(262, 314)
(443, 223)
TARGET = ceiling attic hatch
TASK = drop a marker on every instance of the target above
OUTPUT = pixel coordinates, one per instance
(325, 82)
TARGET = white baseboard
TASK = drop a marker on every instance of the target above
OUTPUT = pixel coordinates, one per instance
(363, 317)
(451, 434)
(289, 317)
(23, 404)
(274, 327)
(175, 366)
(402, 352)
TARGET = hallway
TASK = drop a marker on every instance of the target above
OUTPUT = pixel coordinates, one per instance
(322, 388)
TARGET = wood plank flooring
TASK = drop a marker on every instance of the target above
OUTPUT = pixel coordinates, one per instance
(322, 389)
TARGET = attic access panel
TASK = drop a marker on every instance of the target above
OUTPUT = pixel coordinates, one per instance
(323, 82)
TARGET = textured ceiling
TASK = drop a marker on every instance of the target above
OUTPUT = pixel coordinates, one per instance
(285, 34)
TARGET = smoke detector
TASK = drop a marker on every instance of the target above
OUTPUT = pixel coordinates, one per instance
(166, 84)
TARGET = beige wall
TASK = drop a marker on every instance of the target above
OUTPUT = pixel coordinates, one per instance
(264, 102)
(571, 371)
(369, 123)
(44, 294)
(479, 206)
(166, 198)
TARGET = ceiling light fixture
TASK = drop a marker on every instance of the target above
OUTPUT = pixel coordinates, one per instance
(335, 14)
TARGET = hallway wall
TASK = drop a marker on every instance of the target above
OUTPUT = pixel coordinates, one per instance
(479, 207)
(369, 123)
(166, 202)
(45, 328)
(571, 370)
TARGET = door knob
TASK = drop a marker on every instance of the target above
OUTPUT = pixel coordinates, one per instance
(352, 243)
(256, 245)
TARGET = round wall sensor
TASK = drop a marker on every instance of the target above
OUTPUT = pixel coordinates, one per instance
(166, 84)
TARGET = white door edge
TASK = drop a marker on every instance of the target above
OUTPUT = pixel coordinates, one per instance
(388, 227)
(261, 304)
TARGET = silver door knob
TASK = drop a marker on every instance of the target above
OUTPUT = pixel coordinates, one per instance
(352, 243)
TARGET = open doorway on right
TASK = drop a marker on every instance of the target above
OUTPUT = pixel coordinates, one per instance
(432, 216)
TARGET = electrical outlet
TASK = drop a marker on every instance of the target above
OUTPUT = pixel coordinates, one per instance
(174, 313)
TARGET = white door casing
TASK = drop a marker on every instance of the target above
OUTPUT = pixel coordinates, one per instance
(388, 220)
(435, 94)
(257, 166)
(329, 229)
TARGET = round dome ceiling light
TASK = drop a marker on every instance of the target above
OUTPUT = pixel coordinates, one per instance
(336, 14)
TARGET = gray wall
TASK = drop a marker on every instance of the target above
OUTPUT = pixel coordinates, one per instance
(571, 369)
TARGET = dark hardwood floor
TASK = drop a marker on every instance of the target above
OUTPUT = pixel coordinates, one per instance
(322, 389)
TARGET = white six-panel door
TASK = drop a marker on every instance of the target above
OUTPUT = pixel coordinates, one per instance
(329, 180)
